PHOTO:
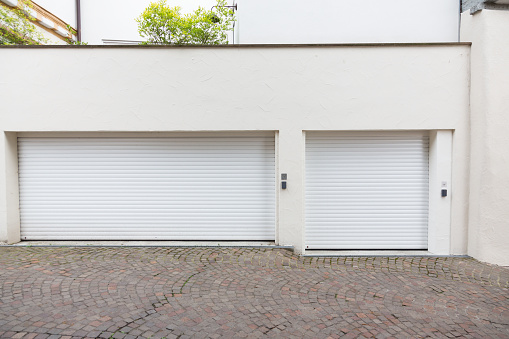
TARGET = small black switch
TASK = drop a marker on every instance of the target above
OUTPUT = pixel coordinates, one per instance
(283, 185)
(444, 193)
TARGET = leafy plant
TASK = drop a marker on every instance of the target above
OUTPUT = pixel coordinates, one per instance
(161, 24)
(74, 42)
(16, 26)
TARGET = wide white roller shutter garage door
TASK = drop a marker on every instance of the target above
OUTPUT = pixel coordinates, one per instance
(196, 188)
(367, 190)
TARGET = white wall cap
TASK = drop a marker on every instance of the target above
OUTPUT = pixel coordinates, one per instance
(47, 23)
(30, 11)
(62, 31)
(12, 3)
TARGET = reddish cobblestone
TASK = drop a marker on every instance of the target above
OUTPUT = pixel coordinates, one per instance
(245, 292)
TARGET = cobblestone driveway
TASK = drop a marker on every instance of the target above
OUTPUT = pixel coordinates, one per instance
(245, 292)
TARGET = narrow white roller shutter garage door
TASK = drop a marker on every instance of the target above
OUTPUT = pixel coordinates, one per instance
(147, 188)
(367, 190)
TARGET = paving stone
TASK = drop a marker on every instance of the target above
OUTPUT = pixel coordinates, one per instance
(105, 292)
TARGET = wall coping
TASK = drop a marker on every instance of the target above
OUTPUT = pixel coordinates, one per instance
(242, 46)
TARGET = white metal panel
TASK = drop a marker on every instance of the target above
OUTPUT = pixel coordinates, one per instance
(367, 190)
(209, 188)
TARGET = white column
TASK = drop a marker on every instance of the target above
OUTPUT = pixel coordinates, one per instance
(9, 191)
(488, 231)
(291, 212)
(440, 177)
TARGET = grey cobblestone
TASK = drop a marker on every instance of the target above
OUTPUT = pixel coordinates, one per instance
(245, 292)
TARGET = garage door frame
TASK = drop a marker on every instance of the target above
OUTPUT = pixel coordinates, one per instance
(222, 134)
(440, 173)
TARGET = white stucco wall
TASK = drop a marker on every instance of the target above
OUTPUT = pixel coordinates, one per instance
(345, 21)
(489, 186)
(287, 90)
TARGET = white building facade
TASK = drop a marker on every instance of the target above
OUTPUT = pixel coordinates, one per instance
(342, 21)
(386, 146)
(166, 143)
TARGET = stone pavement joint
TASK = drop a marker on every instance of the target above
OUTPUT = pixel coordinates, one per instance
(130, 292)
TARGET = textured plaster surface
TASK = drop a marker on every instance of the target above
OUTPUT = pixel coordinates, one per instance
(489, 197)
(286, 89)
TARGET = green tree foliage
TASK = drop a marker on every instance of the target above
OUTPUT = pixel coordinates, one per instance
(161, 24)
(16, 27)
